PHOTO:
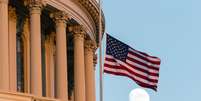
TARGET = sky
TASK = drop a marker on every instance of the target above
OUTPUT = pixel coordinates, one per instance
(169, 29)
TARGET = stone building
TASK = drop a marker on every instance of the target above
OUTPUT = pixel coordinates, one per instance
(47, 49)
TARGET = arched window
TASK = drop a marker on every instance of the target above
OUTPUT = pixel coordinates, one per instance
(20, 64)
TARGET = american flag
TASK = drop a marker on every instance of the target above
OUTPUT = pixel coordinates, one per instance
(120, 59)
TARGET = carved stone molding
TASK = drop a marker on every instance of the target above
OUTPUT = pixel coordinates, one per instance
(78, 36)
(78, 32)
(12, 13)
(90, 45)
(35, 6)
(4, 1)
(95, 57)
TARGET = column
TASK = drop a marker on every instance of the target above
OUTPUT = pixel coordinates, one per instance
(61, 56)
(4, 53)
(72, 96)
(35, 31)
(79, 71)
(12, 49)
(89, 70)
(26, 50)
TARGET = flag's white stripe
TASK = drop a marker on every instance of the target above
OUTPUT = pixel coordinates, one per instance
(143, 61)
(112, 63)
(127, 73)
(149, 58)
(118, 63)
(142, 67)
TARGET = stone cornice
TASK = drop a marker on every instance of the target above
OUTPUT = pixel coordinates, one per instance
(92, 7)
(77, 29)
(84, 12)
(76, 12)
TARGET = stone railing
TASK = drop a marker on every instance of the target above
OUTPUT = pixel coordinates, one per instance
(7, 96)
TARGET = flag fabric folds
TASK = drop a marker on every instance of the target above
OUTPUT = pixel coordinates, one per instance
(122, 60)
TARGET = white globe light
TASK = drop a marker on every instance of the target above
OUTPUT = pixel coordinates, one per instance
(139, 95)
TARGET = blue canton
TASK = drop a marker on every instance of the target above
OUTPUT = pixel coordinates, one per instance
(116, 48)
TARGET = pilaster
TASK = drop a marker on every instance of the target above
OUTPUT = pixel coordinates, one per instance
(12, 49)
(50, 65)
(4, 50)
(26, 56)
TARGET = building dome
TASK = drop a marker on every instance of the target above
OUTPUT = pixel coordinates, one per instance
(47, 49)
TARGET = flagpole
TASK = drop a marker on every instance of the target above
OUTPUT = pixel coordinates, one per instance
(100, 50)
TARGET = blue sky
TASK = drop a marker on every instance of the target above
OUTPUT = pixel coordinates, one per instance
(169, 29)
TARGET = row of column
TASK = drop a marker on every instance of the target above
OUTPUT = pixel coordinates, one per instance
(84, 89)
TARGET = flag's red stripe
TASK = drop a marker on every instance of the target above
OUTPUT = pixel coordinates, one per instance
(110, 59)
(138, 82)
(144, 58)
(143, 64)
(132, 72)
(139, 69)
(147, 86)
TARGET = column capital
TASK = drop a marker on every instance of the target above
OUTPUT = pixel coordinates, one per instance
(12, 13)
(59, 17)
(78, 31)
(90, 45)
(35, 6)
(4, 1)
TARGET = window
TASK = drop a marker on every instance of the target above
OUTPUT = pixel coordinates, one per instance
(20, 64)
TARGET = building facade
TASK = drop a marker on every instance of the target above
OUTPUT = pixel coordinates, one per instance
(47, 49)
